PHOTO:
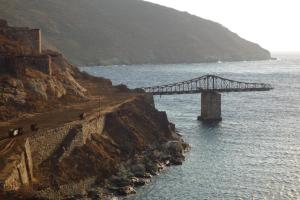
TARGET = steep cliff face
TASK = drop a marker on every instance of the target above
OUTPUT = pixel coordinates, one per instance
(129, 32)
(110, 153)
(131, 129)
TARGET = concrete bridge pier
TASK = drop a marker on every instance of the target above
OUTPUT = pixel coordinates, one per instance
(210, 106)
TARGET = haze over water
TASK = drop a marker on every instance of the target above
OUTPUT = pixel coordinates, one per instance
(254, 153)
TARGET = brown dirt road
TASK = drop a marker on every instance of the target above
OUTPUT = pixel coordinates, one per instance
(100, 98)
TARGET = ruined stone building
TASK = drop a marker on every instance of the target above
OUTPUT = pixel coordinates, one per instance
(21, 47)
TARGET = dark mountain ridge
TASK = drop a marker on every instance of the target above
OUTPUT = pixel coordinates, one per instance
(108, 32)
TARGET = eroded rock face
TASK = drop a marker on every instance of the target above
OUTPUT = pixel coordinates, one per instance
(32, 90)
(132, 148)
(112, 153)
(138, 170)
(31, 80)
(136, 143)
(37, 87)
(174, 148)
(56, 88)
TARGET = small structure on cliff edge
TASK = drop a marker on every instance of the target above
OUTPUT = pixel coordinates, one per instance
(25, 51)
(32, 79)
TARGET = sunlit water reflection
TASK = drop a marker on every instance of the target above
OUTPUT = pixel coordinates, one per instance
(254, 153)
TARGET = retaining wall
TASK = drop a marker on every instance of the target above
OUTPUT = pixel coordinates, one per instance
(50, 143)
(19, 172)
(17, 64)
(30, 39)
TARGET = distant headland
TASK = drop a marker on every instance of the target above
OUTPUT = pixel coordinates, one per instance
(111, 32)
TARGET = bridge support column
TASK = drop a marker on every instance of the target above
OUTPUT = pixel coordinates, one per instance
(210, 106)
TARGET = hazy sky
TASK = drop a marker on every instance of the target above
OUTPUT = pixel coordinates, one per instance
(274, 24)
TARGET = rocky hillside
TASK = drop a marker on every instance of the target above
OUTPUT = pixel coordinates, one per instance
(65, 134)
(93, 158)
(33, 91)
(107, 32)
(32, 80)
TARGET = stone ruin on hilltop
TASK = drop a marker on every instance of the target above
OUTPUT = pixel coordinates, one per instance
(25, 51)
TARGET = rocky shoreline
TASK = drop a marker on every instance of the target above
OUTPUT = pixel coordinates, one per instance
(139, 170)
(136, 165)
(134, 173)
(81, 175)
(75, 136)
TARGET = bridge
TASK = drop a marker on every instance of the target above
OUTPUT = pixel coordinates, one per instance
(210, 87)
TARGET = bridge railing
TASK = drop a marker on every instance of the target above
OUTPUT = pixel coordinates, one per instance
(207, 83)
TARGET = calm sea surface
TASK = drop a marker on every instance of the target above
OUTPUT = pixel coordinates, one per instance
(254, 153)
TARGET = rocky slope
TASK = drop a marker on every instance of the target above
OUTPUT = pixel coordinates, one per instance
(129, 32)
(77, 136)
(32, 82)
(30, 90)
(134, 143)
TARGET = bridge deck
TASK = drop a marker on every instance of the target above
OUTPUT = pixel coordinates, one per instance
(207, 83)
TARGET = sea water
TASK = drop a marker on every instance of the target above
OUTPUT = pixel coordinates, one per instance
(254, 153)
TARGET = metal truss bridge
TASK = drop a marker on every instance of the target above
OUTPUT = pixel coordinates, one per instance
(210, 87)
(207, 83)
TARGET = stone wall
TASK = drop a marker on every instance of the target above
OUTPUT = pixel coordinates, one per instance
(84, 133)
(28, 160)
(27, 54)
(40, 63)
(92, 126)
(60, 142)
(48, 144)
(44, 143)
(19, 172)
(22, 171)
(30, 39)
